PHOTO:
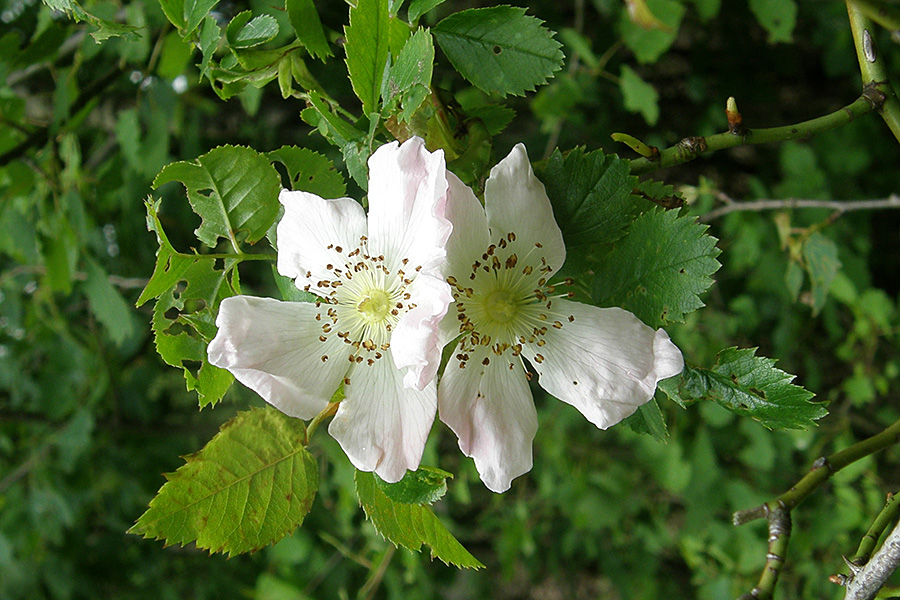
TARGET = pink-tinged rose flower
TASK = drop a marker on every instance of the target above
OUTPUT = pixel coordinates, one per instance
(500, 258)
(375, 329)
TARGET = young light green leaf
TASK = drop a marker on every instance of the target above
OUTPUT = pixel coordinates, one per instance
(233, 189)
(425, 485)
(591, 196)
(659, 269)
(304, 19)
(246, 32)
(639, 96)
(409, 81)
(367, 49)
(410, 525)
(500, 49)
(820, 256)
(748, 385)
(309, 171)
(251, 485)
(417, 8)
(778, 17)
(108, 305)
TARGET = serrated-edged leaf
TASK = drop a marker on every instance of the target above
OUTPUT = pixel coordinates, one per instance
(659, 269)
(425, 485)
(591, 196)
(251, 485)
(210, 34)
(417, 8)
(305, 20)
(500, 49)
(748, 385)
(659, 193)
(108, 305)
(409, 81)
(820, 256)
(247, 31)
(649, 420)
(310, 171)
(170, 265)
(233, 189)
(367, 43)
(195, 11)
(410, 525)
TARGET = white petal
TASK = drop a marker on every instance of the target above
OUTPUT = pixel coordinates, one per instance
(606, 363)
(415, 342)
(491, 410)
(381, 424)
(407, 202)
(470, 236)
(273, 348)
(310, 232)
(516, 201)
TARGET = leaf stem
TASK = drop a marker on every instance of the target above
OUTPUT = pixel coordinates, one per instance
(871, 66)
(691, 147)
(328, 411)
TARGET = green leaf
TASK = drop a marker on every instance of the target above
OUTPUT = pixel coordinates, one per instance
(778, 17)
(748, 385)
(591, 196)
(210, 34)
(251, 485)
(108, 305)
(409, 82)
(426, 485)
(417, 8)
(661, 194)
(640, 96)
(105, 29)
(500, 49)
(659, 269)
(309, 171)
(367, 50)
(649, 420)
(649, 44)
(242, 32)
(187, 15)
(410, 525)
(233, 189)
(820, 256)
(304, 19)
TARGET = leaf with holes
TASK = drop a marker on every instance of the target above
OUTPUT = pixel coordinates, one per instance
(233, 189)
(500, 49)
(659, 269)
(410, 525)
(748, 385)
(251, 485)
(309, 171)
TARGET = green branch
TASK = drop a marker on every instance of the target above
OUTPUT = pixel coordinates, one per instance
(690, 148)
(777, 511)
(879, 526)
(871, 65)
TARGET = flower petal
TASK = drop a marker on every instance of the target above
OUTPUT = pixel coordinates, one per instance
(516, 201)
(273, 348)
(470, 236)
(606, 363)
(310, 232)
(491, 410)
(415, 342)
(407, 201)
(381, 424)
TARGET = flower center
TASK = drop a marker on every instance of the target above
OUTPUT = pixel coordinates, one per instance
(501, 306)
(375, 307)
(362, 301)
(505, 301)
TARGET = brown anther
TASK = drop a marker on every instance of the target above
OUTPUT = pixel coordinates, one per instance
(571, 319)
(324, 357)
(322, 338)
(511, 261)
(538, 358)
(486, 361)
(528, 270)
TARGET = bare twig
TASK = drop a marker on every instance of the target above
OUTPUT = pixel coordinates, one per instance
(866, 582)
(123, 283)
(837, 206)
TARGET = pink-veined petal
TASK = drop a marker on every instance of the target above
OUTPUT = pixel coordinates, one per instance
(407, 202)
(491, 411)
(470, 236)
(273, 348)
(606, 363)
(310, 233)
(382, 425)
(516, 201)
(415, 342)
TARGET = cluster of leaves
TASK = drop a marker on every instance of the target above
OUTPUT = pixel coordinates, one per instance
(89, 416)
